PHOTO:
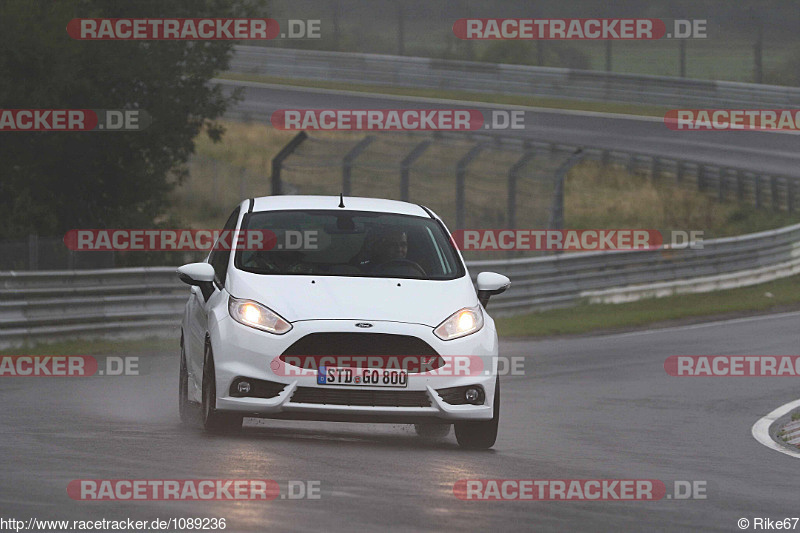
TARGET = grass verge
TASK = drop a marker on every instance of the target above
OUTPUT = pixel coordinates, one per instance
(596, 196)
(585, 318)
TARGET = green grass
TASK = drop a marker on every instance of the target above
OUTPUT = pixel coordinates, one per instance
(603, 197)
(531, 101)
(715, 58)
(97, 347)
(586, 318)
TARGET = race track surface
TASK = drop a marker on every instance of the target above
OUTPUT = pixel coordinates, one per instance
(589, 407)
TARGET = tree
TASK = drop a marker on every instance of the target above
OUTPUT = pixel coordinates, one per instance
(51, 182)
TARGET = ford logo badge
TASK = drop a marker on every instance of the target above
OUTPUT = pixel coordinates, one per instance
(363, 325)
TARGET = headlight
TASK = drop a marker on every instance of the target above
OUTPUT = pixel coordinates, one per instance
(461, 323)
(257, 316)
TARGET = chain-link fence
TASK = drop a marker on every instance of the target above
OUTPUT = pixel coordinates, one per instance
(471, 182)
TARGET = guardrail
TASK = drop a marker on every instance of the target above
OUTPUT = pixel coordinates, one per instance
(124, 302)
(471, 76)
(141, 302)
(616, 276)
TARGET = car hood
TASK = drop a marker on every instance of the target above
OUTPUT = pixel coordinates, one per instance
(336, 298)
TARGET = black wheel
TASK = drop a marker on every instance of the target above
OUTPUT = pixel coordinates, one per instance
(432, 431)
(215, 421)
(480, 435)
(184, 405)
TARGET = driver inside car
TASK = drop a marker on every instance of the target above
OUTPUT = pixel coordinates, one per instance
(388, 254)
(392, 244)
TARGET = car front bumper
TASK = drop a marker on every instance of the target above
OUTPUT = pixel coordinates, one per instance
(243, 352)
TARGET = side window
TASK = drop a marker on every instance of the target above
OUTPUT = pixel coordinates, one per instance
(220, 256)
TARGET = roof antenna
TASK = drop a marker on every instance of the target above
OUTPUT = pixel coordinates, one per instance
(341, 200)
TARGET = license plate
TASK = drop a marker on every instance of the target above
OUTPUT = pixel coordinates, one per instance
(363, 377)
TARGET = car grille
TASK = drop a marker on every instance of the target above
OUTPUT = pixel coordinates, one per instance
(359, 344)
(397, 351)
(364, 398)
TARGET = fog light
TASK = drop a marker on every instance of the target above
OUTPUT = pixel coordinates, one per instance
(471, 394)
(244, 387)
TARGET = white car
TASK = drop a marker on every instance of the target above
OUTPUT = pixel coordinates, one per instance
(372, 317)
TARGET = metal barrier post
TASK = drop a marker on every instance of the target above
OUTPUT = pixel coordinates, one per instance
(557, 209)
(757, 188)
(347, 162)
(461, 174)
(701, 178)
(513, 173)
(405, 167)
(277, 161)
(739, 186)
(773, 192)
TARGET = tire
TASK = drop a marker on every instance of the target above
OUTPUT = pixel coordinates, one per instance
(215, 421)
(480, 435)
(432, 431)
(184, 405)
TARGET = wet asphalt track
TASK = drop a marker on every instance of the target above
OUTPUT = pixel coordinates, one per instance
(591, 407)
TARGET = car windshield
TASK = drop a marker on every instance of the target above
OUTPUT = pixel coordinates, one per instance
(353, 243)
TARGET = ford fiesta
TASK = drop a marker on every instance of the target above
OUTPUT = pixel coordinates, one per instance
(350, 309)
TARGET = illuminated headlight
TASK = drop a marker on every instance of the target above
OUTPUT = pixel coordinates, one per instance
(461, 323)
(257, 316)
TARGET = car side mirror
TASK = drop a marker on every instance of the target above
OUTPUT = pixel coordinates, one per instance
(199, 275)
(489, 284)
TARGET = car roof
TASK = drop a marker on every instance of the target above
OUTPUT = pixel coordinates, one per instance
(352, 203)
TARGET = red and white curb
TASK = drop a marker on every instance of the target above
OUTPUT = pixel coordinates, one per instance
(791, 430)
